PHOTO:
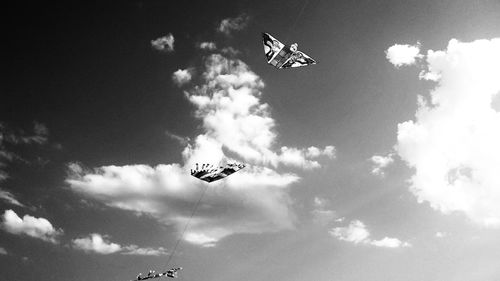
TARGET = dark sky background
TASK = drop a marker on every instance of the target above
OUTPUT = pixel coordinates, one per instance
(89, 74)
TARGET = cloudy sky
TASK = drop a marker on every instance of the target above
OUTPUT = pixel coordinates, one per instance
(379, 163)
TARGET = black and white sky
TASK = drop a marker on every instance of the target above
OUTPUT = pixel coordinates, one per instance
(379, 163)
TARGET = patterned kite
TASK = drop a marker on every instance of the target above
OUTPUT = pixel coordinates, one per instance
(280, 55)
(209, 173)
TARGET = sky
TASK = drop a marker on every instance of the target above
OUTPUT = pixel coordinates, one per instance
(378, 163)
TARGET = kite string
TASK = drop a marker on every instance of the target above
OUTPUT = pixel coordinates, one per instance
(297, 19)
(186, 226)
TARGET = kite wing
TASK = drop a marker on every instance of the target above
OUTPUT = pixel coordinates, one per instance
(272, 46)
(172, 273)
(298, 59)
(276, 52)
(209, 173)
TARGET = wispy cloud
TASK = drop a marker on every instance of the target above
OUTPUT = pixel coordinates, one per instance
(180, 139)
(35, 227)
(100, 244)
(228, 25)
(400, 55)
(11, 137)
(3, 251)
(136, 250)
(230, 51)
(357, 233)
(39, 136)
(322, 212)
(452, 144)
(9, 197)
(164, 44)
(380, 163)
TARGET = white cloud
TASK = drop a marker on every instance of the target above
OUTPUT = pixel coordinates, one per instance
(255, 196)
(100, 244)
(441, 234)
(182, 76)
(17, 137)
(3, 251)
(357, 233)
(200, 239)
(452, 144)
(9, 197)
(380, 163)
(96, 243)
(388, 242)
(400, 55)
(236, 124)
(229, 105)
(164, 44)
(136, 250)
(315, 152)
(207, 46)
(229, 25)
(31, 226)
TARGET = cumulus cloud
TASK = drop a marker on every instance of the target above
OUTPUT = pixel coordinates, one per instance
(357, 233)
(9, 197)
(400, 55)
(380, 163)
(229, 105)
(164, 44)
(211, 46)
(452, 145)
(228, 25)
(255, 197)
(235, 124)
(35, 227)
(3, 251)
(99, 244)
(182, 76)
(96, 243)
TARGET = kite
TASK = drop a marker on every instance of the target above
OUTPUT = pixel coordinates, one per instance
(172, 273)
(209, 173)
(280, 55)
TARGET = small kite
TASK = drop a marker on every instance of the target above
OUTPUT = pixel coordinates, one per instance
(280, 55)
(172, 273)
(209, 173)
